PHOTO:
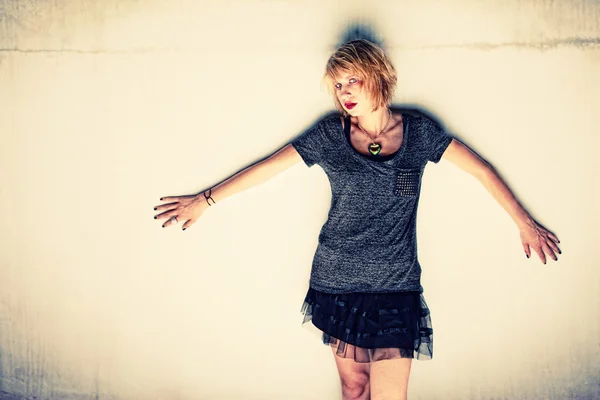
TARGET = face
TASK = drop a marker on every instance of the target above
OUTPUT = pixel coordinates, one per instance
(351, 94)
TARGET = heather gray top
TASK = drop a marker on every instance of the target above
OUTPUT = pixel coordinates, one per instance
(369, 243)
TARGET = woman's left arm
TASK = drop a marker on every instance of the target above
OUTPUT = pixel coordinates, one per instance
(532, 233)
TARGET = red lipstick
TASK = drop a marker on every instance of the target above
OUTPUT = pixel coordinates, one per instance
(350, 106)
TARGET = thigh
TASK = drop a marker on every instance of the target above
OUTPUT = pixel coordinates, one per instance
(351, 372)
(389, 376)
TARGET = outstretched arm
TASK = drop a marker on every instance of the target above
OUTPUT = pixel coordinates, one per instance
(190, 207)
(256, 174)
(532, 234)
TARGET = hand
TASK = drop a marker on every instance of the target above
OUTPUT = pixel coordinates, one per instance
(185, 208)
(534, 235)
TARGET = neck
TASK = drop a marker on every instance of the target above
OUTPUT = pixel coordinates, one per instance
(374, 122)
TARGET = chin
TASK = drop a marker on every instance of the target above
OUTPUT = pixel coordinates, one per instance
(354, 112)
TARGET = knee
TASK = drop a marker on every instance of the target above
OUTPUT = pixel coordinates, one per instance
(355, 388)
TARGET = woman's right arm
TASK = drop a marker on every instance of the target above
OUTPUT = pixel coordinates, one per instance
(189, 208)
(255, 174)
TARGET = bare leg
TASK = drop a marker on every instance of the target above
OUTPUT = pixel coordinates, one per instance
(389, 377)
(354, 377)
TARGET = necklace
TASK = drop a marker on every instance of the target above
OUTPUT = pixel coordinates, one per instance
(375, 148)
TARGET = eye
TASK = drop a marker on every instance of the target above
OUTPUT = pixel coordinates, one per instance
(352, 81)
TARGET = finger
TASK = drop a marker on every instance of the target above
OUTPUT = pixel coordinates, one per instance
(527, 250)
(540, 253)
(171, 198)
(188, 223)
(548, 250)
(163, 215)
(553, 237)
(165, 206)
(553, 245)
(166, 214)
(169, 222)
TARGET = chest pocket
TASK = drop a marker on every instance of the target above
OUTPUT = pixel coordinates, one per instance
(407, 182)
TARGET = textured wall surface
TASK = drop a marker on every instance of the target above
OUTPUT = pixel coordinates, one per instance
(105, 106)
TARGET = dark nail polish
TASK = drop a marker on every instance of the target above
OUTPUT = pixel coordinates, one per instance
(154, 208)
(161, 199)
(154, 217)
(559, 252)
(184, 229)
(527, 255)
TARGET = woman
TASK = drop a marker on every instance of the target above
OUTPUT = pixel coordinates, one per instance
(365, 295)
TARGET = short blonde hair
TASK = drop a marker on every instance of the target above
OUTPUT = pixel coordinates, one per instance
(369, 62)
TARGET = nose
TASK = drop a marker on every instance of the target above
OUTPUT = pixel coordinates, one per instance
(345, 91)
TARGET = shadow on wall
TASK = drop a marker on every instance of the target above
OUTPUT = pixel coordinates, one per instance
(357, 31)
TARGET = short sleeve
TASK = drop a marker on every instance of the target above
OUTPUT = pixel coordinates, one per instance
(311, 144)
(437, 139)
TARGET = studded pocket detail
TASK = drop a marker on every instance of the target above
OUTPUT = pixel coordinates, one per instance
(407, 183)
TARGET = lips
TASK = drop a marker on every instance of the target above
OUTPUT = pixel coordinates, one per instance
(349, 106)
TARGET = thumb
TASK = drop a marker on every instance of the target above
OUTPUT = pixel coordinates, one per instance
(527, 250)
(188, 223)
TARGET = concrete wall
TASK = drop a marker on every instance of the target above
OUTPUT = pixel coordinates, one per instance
(107, 106)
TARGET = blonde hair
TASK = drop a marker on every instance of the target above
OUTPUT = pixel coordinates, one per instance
(368, 61)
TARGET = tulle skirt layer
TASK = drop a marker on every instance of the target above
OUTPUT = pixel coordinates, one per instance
(371, 326)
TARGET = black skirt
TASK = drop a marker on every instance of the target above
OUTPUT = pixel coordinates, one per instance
(358, 324)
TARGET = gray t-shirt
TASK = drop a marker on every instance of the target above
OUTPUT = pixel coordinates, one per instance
(368, 243)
